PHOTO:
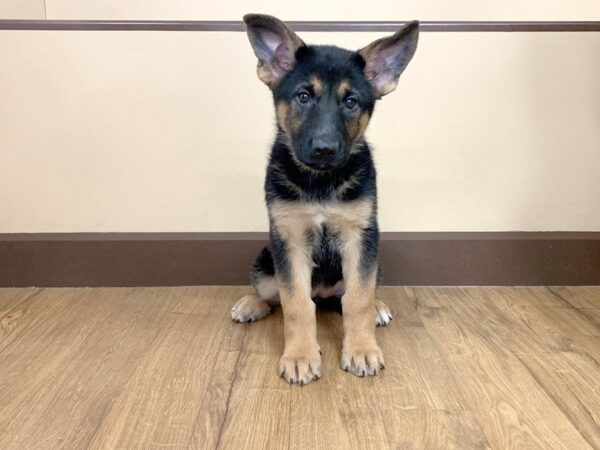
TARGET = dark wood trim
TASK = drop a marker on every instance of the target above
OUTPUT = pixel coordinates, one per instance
(170, 259)
(234, 25)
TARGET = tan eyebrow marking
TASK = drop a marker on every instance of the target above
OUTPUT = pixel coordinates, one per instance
(343, 88)
(316, 84)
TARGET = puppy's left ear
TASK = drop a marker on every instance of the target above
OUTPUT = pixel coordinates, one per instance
(386, 58)
(274, 44)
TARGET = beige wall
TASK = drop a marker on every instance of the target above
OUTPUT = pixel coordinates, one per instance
(117, 131)
(22, 9)
(328, 10)
(170, 131)
(304, 10)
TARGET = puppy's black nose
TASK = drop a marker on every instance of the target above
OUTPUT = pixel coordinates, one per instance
(324, 153)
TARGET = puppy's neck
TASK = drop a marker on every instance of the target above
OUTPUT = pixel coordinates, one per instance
(289, 179)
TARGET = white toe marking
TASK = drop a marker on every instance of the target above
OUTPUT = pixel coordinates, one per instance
(383, 315)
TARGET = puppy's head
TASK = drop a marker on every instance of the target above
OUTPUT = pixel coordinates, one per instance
(324, 95)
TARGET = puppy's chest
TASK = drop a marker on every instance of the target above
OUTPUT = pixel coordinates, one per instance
(299, 217)
(320, 219)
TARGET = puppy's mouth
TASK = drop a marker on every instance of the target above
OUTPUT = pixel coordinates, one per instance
(322, 166)
(311, 166)
(316, 166)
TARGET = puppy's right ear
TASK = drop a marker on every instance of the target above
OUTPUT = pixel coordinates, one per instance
(274, 44)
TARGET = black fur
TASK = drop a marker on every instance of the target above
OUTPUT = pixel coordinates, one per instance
(324, 120)
(288, 180)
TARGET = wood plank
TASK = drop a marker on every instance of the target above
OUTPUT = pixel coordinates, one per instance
(493, 380)
(586, 299)
(434, 429)
(258, 407)
(60, 376)
(151, 367)
(422, 405)
(568, 377)
(340, 410)
(13, 306)
(579, 296)
(592, 315)
(10, 297)
(562, 329)
(214, 404)
(319, 416)
(160, 403)
(418, 375)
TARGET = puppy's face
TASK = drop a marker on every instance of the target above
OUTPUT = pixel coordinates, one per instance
(323, 106)
(324, 96)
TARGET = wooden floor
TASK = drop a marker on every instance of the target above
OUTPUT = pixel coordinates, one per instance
(165, 367)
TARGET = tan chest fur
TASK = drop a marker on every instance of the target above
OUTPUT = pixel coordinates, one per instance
(295, 218)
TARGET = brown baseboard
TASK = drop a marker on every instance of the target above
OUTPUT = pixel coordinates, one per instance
(170, 259)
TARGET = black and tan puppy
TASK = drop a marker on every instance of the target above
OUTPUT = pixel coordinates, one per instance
(321, 192)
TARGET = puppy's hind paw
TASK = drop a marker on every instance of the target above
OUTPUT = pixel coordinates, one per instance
(383, 315)
(250, 308)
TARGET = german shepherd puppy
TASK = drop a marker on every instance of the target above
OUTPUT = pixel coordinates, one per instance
(321, 192)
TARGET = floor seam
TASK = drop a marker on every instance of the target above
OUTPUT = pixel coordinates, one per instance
(233, 381)
(568, 304)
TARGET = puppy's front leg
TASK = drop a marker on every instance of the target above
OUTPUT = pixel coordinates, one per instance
(360, 353)
(301, 360)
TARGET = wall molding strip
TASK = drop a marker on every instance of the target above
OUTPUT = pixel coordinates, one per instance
(301, 26)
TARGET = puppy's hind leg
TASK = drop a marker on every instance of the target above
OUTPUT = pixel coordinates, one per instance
(253, 307)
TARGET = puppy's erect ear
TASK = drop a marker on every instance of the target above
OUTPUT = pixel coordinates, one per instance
(387, 58)
(274, 44)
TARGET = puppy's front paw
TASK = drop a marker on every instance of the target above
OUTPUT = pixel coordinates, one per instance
(362, 360)
(301, 365)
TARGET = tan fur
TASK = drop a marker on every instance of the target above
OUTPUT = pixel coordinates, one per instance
(337, 215)
(360, 353)
(363, 121)
(266, 75)
(287, 117)
(282, 112)
(348, 184)
(387, 88)
(293, 220)
(301, 361)
(342, 89)
(267, 289)
(295, 122)
(316, 84)
(250, 308)
(357, 127)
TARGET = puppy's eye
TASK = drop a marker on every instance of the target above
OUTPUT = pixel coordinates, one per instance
(351, 103)
(303, 97)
